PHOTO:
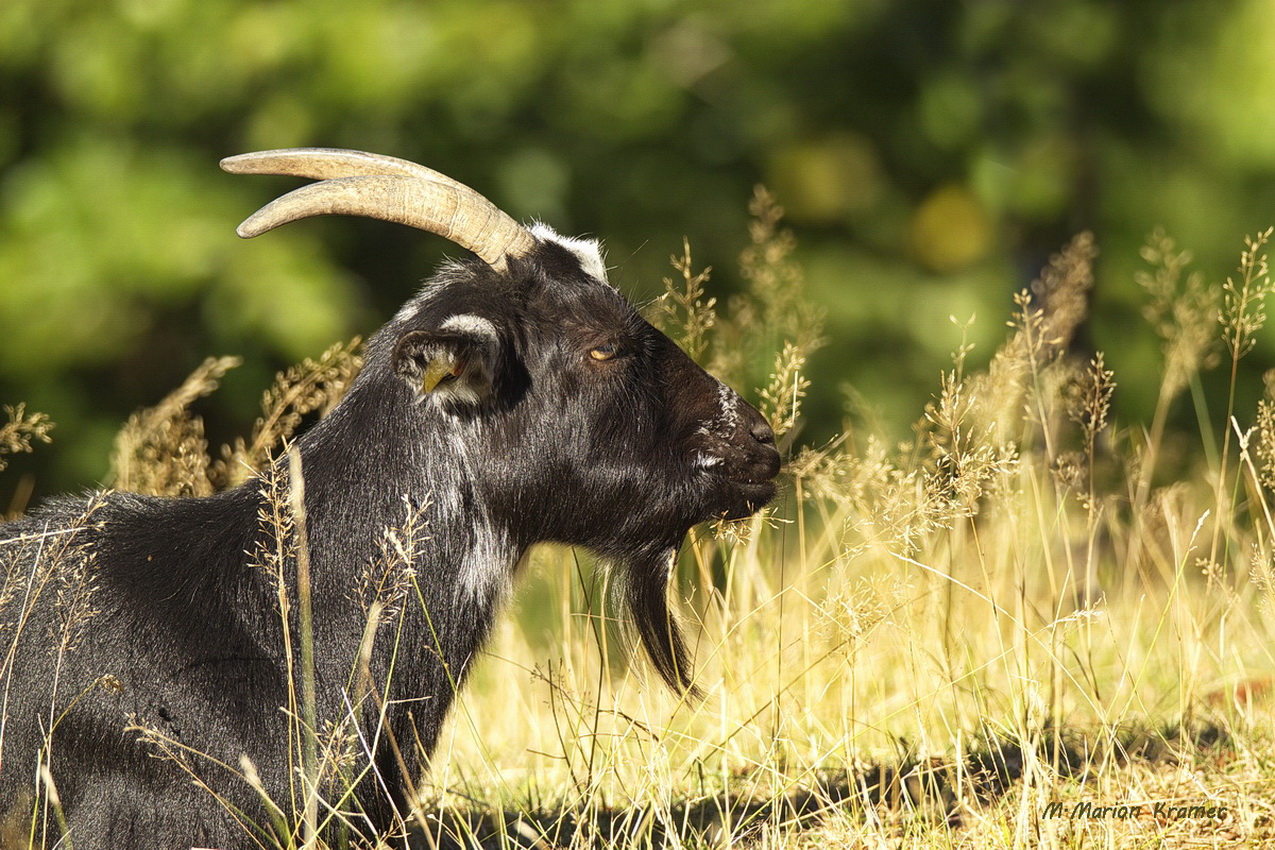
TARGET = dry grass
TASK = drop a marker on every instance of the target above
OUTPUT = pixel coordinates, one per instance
(923, 645)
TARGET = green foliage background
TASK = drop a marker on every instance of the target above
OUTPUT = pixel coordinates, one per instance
(931, 155)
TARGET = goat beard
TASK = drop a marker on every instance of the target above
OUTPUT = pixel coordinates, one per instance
(644, 583)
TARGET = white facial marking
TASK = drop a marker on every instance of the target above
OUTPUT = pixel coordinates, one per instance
(728, 402)
(707, 461)
(720, 427)
(587, 251)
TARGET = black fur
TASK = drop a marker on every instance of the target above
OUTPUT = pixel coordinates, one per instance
(576, 422)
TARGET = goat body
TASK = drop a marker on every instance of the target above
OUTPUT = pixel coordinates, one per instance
(517, 399)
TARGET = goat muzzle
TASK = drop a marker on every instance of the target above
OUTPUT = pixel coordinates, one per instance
(750, 462)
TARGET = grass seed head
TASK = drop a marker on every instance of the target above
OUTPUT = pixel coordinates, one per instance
(1244, 298)
(17, 435)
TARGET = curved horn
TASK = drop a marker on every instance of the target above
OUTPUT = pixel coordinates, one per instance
(327, 163)
(384, 187)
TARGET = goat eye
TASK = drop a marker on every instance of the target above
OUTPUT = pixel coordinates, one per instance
(604, 352)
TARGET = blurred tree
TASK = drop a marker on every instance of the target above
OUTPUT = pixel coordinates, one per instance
(931, 156)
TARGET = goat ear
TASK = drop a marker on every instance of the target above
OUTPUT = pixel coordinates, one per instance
(455, 364)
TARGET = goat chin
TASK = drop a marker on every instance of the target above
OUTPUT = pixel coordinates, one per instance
(748, 498)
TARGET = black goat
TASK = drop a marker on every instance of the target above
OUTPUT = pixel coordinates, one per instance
(518, 398)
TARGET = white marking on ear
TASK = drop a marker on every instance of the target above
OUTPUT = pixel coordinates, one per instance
(469, 390)
(587, 251)
(468, 323)
(474, 381)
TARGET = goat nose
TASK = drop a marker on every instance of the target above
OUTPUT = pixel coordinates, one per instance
(762, 432)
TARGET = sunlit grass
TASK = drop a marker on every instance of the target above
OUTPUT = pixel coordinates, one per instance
(925, 645)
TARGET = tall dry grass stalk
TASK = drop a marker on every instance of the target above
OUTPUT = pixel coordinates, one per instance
(162, 450)
(1243, 314)
(312, 387)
